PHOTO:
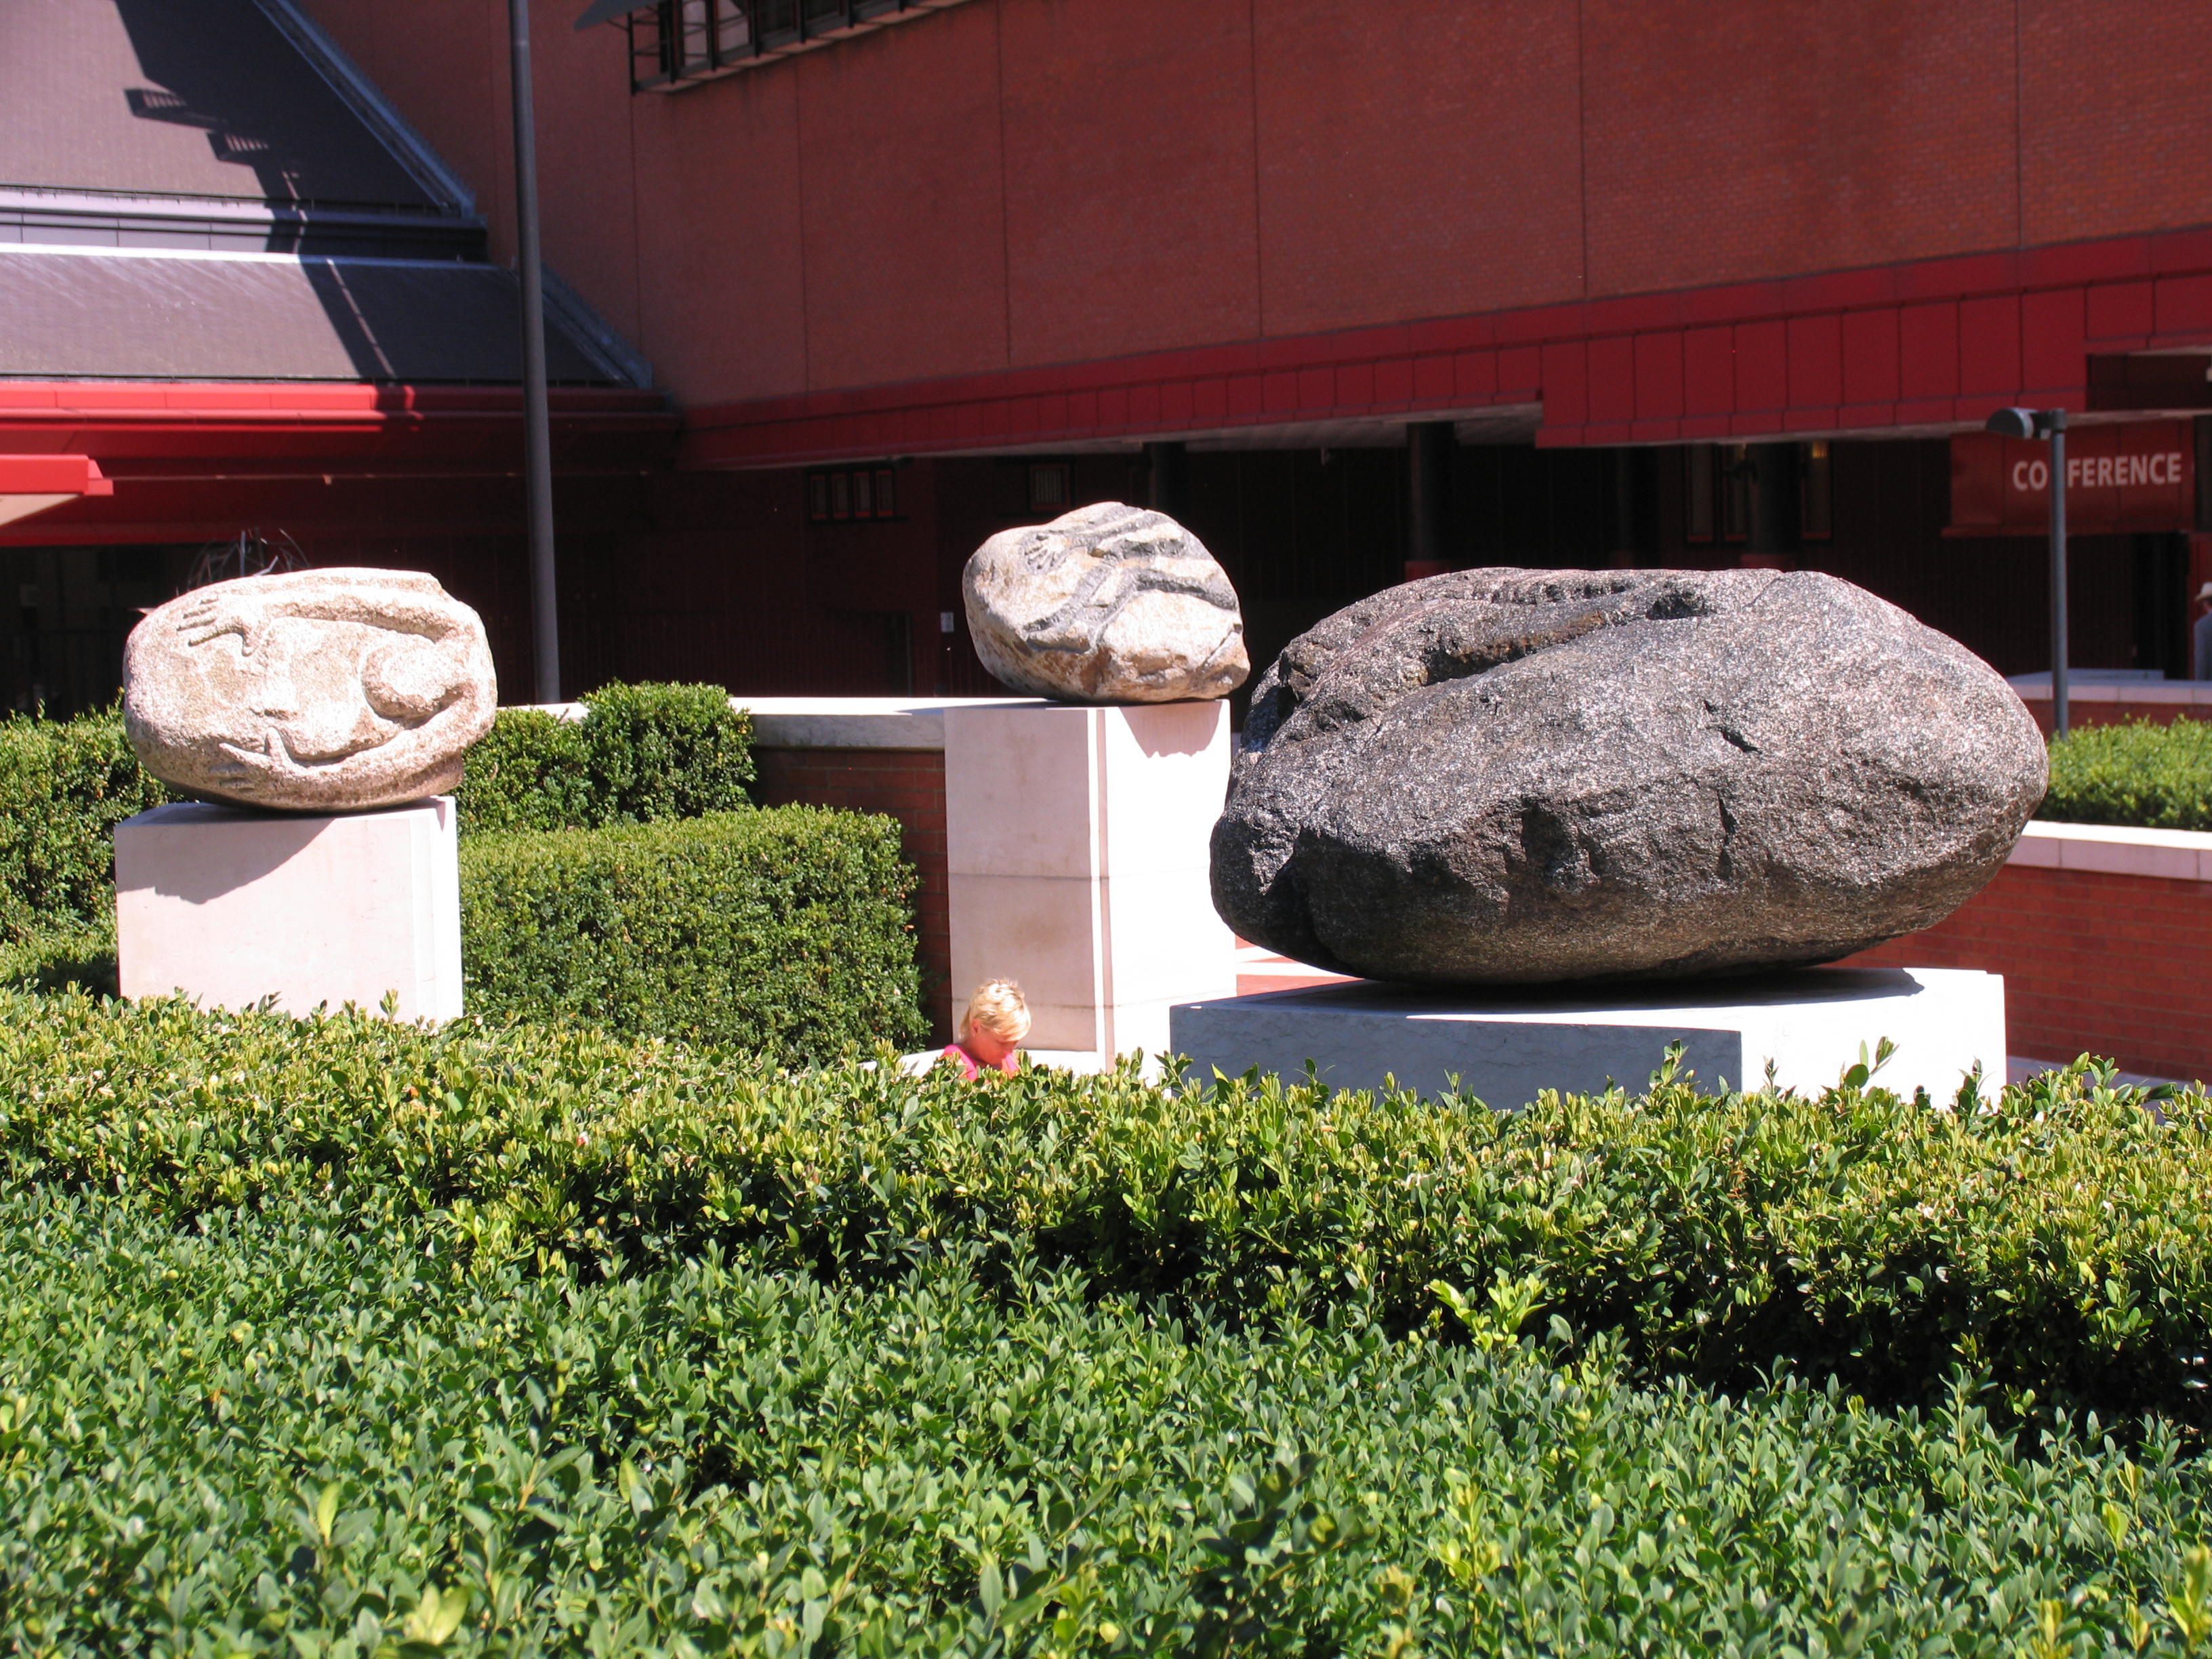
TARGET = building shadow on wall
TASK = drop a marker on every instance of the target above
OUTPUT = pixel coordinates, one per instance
(221, 68)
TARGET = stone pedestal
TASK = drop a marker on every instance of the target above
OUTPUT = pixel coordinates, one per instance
(229, 906)
(1505, 1049)
(1076, 858)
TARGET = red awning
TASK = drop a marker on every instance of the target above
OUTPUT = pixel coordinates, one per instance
(31, 483)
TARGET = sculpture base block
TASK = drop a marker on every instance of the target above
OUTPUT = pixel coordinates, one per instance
(1505, 1047)
(1076, 860)
(230, 906)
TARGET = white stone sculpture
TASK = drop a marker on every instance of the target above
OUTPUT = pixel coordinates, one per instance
(1108, 604)
(317, 691)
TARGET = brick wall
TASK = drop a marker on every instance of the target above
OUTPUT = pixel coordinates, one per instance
(2113, 965)
(1027, 184)
(2099, 712)
(907, 784)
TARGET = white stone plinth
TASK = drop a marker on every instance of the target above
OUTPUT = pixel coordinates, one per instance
(229, 906)
(1076, 857)
(1505, 1048)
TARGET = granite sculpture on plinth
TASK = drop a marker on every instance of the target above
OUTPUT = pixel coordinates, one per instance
(1108, 604)
(1520, 776)
(314, 691)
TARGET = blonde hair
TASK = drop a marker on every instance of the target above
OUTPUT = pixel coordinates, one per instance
(999, 1008)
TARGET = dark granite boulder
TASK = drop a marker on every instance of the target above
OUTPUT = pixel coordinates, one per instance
(1502, 776)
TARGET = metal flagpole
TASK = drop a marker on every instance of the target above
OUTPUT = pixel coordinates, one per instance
(536, 422)
(2056, 421)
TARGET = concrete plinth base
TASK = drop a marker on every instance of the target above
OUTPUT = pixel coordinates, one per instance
(1076, 847)
(1505, 1048)
(230, 906)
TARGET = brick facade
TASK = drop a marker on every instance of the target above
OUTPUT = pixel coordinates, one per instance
(906, 784)
(2098, 711)
(2113, 965)
(1025, 185)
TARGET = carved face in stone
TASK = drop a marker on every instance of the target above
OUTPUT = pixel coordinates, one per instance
(327, 691)
(1106, 603)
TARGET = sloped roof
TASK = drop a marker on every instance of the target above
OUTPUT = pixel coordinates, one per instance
(117, 315)
(188, 192)
(183, 97)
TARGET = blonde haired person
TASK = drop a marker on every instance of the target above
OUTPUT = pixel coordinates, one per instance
(997, 1019)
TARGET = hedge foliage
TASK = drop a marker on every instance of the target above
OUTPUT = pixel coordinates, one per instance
(273, 1435)
(2157, 777)
(2053, 1238)
(794, 938)
(788, 930)
(64, 785)
(71, 956)
(641, 753)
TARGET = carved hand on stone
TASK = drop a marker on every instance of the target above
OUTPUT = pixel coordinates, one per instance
(1106, 603)
(345, 689)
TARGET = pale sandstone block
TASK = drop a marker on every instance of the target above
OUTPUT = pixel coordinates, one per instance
(229, 907)
(1506, 1049)
(1076, 848)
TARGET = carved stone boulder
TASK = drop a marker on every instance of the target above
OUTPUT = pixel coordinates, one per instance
(315, 691)
(1503, 776)
(1106, 603)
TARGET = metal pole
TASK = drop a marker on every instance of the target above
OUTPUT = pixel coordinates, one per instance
(537, 422)
(2058, 721)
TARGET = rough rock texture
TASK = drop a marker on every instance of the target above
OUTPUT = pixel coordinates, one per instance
(1500, 776)
(1106, 603)
(320, 690)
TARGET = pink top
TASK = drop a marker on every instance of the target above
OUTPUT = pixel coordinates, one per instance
(970, 1070)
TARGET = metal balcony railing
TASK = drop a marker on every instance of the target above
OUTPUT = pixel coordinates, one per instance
(679, 41)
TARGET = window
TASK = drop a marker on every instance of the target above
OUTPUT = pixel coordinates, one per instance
(1698, 467)
(1733, 488)
(1816, 494)
(847, 492)
(1049, 489)
(675, 43)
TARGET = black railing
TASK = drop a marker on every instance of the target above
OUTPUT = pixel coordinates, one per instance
(680, 41)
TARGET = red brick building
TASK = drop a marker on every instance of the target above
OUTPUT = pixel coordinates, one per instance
(1621, 280)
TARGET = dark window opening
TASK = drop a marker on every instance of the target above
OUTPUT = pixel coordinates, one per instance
(1049, 490)
(1734, 492)
(1816, 493)
(845, 494)
(1698, 466)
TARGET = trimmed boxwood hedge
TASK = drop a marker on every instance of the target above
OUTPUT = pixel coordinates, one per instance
(641, 753)
(278, 1434)
(64, 785)
(789, 930)
(2136, 772)
(795, 937)
(2053, 1237)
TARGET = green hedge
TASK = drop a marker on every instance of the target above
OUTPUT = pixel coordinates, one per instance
(789, 931)
(2157, 777)
(641, 753)
(2054, 1237)
(64, 785)
(277, 1435)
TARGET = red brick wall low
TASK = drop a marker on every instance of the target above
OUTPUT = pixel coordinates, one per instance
(2116, 966)
(907, 784)
(2079, 714)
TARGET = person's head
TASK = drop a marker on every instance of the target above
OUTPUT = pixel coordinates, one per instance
(997, 1019)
